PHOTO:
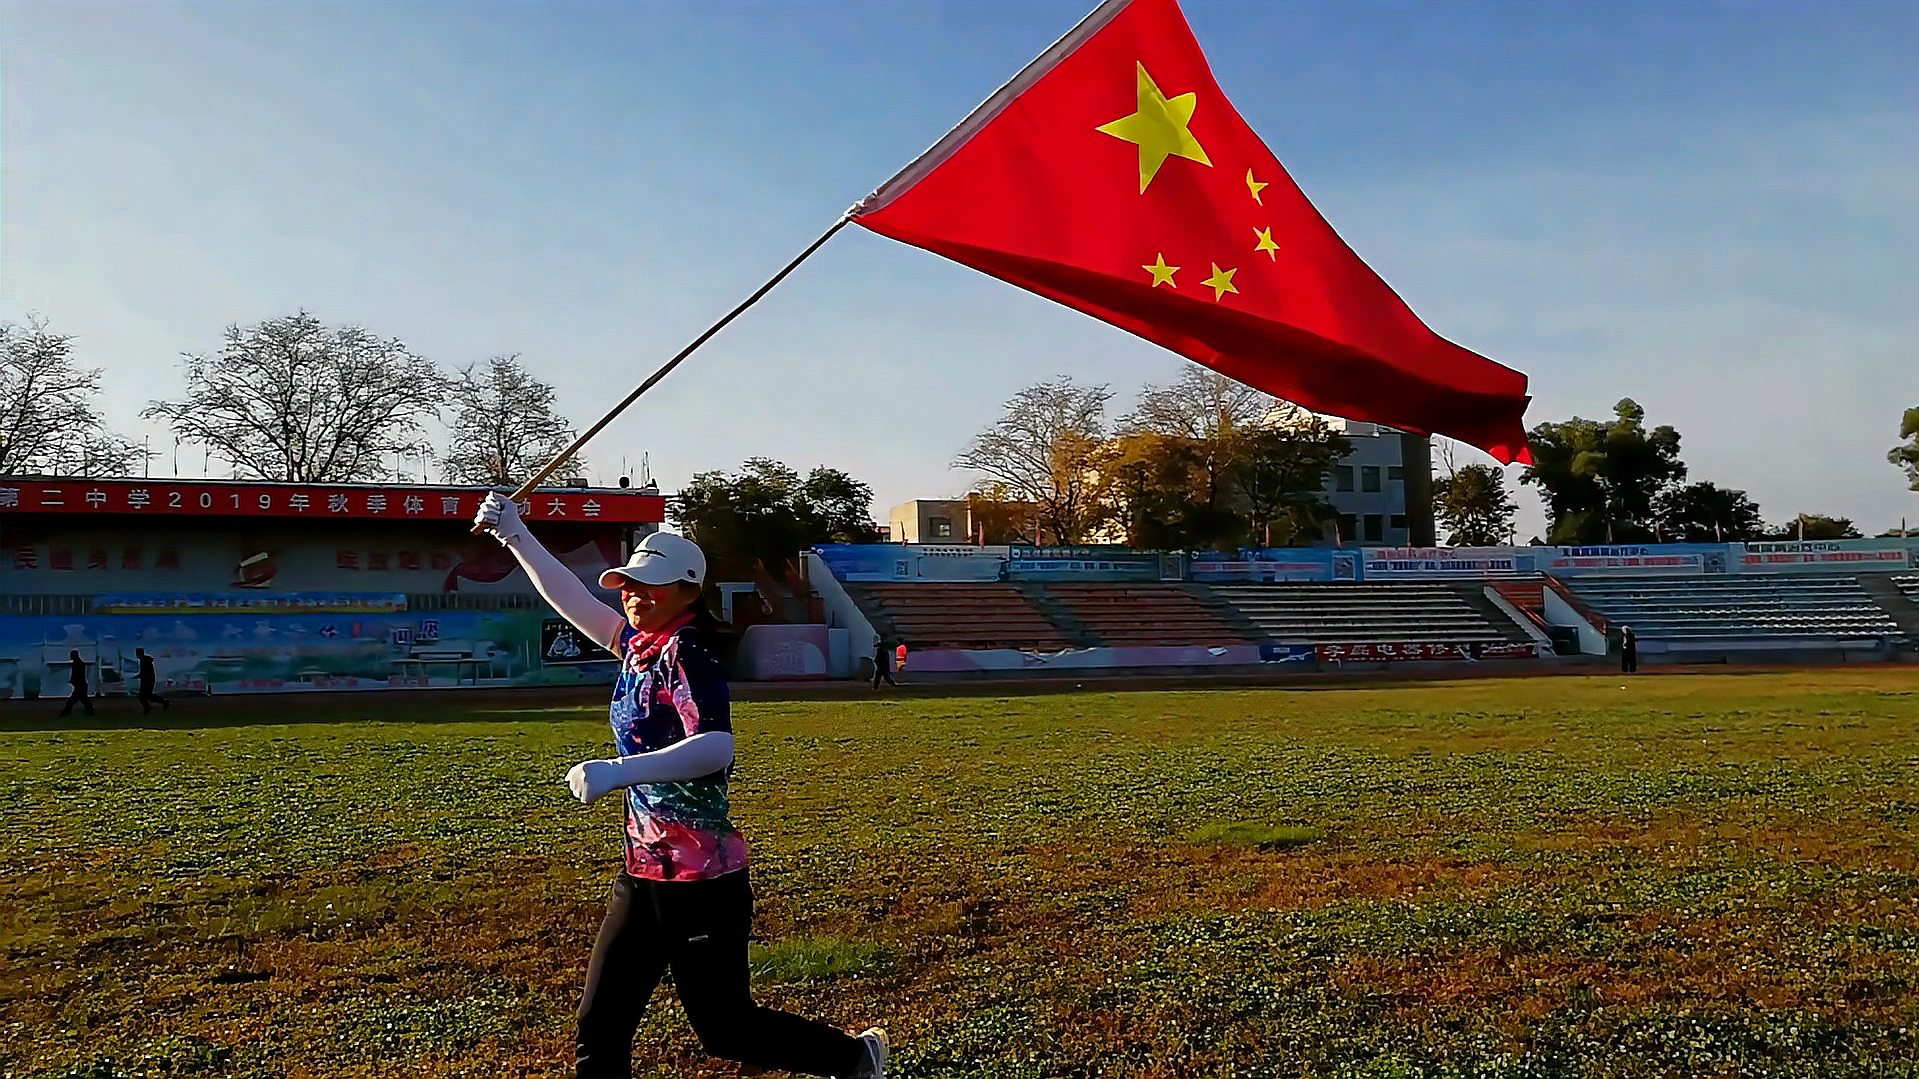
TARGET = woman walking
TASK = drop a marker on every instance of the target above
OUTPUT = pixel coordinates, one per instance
(682, 900)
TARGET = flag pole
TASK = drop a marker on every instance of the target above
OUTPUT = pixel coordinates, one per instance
(666, 368)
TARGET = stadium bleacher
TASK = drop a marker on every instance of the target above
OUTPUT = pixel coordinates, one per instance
(1144, 614)
(1908, 585)
(956, 615)
(1712, 608)
(1351, 613)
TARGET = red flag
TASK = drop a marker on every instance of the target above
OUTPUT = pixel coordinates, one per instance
(1113, 176)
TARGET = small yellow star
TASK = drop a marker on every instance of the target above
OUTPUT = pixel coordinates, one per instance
(1221, 282)
(1162, 273)
(1255, 187)
(1266, 243)
(1158, 127)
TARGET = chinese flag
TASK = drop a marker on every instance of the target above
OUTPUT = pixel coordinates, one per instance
(1113, 176)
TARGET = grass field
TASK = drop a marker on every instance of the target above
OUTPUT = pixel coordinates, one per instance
(1698, 876)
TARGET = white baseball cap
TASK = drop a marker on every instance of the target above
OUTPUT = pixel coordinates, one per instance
(661, 558)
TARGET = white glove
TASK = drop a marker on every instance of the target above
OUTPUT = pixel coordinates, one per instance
(500, 518)
(592, 780)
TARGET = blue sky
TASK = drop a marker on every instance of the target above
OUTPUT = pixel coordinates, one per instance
(1711, 207)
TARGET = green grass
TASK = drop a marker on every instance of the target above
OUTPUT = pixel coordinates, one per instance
(1689, 876)
(1256, 835)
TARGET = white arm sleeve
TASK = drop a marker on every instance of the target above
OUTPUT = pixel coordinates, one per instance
(566, 593)
(701, 755)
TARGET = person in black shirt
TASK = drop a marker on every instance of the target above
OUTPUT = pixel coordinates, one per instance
(146, 680)
(882, 663)
(77, 677)
(1628, 651)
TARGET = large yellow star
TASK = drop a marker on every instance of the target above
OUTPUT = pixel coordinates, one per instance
(1221, 282)
(1158, 128)
(1266, 243)
(1255, 186)
(1162, 273)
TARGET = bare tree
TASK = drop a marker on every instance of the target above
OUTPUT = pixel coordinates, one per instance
(1202, 405)
(1044, 450)
(505, 426)
(292, 399)
(47, 420)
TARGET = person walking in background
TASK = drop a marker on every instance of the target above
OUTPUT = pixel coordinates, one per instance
(1628, 651)
(882, 663)
(146, 678)
(77, 677)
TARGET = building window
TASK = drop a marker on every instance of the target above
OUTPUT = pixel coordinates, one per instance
(939, 527)
(1395, 474)
(1375, 528)
(1369, 479)
(1398, 521)
(1343, 478)
(1348, 528)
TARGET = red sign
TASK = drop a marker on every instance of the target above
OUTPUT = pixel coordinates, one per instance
(175, 498)
(1383, 653)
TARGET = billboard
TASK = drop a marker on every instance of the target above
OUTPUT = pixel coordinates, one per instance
(1675, 559)
(1426, 563)
(913, 562)
(1828, 556)
(1266, 564)
(364, 642)
(1091, 563)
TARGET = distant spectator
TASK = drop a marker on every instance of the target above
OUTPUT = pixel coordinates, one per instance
(77, 677)
(1628, 650)
(883, 662)
(146, 681)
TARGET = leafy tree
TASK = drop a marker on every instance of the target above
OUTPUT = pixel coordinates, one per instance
(757, 520)
(505, 426)
(1473, 502)
(1707, 513)
(1815, 526)
(996, 516)
(47, 420)
(292, 399)
(1148, 491)
(1907, 456)
(1601, 479)
(1044, 449)
(1280, 477)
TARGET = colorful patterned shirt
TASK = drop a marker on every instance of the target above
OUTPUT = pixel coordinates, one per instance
(667, 693)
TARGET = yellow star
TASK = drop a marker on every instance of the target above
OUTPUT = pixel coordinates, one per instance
(1221, 282)
(1255, 187)
(1266, 243)
(1158, 128)
(1162, 273)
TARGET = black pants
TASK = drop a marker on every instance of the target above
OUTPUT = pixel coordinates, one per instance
(883, 670)
(1629, 661)
(699, 929)
(148, 700)
(79, 697)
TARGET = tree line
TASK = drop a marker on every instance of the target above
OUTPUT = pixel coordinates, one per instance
(1618, 481)
(1199, 462)
(288, 399)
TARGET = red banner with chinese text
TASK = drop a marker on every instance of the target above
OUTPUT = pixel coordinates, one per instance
(205, 498)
